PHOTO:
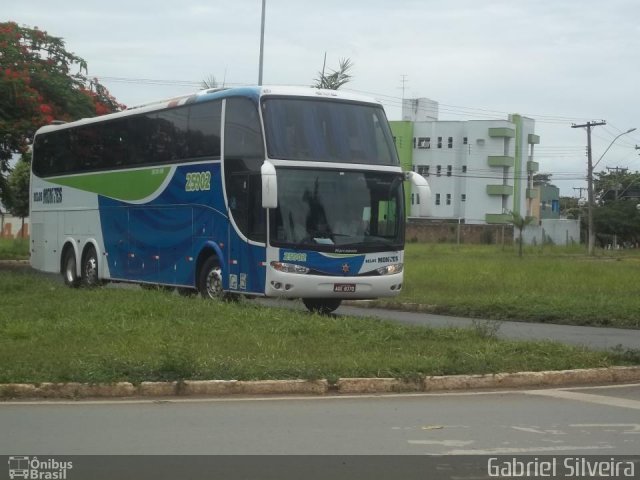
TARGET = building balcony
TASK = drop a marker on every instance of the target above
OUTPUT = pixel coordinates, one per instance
(500, 189)
(532, 193)
(533, 166)
(501, 161)
(533, 139)
(502, 132)
(497, 218)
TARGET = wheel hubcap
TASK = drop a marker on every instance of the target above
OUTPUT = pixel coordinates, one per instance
(214, 283)
(91, 271)
(70, 270)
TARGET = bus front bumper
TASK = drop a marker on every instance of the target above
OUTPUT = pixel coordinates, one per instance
(293, 285)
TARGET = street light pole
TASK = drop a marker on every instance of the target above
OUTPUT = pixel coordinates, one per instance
(590, 203)
(590, 168)
(261, 44)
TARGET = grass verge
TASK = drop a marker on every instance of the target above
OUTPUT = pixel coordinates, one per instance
(51, 333)
(548, 284)
(14, 249)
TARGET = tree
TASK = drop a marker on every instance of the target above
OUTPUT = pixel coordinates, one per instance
(616, 216)
(520, 223)
(209, 82)
(336, 78)
(40, 81)
(17, 199)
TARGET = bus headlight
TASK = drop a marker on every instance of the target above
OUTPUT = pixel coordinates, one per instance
(289, 267)
(391, 269)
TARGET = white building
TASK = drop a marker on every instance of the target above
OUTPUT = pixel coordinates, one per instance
(478, 170)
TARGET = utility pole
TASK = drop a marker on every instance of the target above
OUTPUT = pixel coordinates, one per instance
(404, 81)
(591, 230)
(579, 189)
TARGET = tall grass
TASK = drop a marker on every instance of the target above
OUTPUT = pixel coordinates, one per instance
(14, 249)
(52, 333)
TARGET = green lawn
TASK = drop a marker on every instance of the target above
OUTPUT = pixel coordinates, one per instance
(545, 285)
(49, 332)
(14, 249)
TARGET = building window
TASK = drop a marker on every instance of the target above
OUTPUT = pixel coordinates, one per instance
(448, 199)
(414, 142)
(464, 169)
(423, 170)
(437, 199)
(463, 197)
(439, 142)
(424, 142)
(450, 142)
(465, 140)
(449, 170)
(418, 198)
(438, 170)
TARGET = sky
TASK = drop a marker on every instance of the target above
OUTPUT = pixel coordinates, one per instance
(560, 62)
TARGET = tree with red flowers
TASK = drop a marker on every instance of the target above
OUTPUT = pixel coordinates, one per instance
(40, 81)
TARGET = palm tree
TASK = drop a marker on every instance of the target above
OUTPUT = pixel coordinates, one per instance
(209, 82)
(520, 223)
(336, 78)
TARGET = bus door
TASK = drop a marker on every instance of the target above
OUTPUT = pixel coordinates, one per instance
(246, 258)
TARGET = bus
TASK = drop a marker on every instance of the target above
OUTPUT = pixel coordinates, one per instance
(249, 191)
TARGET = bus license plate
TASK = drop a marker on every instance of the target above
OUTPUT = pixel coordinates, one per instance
(344, 287)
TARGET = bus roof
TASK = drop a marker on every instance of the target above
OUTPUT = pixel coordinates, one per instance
(217, 93)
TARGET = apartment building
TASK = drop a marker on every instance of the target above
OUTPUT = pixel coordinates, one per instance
(478, 170)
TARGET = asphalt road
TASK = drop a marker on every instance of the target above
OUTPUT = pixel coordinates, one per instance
(599, 338)
(594, 420)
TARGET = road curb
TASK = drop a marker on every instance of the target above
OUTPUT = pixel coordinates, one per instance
(225, 388)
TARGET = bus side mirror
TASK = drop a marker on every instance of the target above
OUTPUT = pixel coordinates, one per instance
(269, 185)
(420, 186)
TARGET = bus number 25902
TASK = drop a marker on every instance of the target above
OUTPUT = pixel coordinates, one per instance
(197, 181)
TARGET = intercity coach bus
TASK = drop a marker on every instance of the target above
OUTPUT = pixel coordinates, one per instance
(255, 191)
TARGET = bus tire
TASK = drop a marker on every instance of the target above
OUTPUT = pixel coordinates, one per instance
(210, 280)
(323, 306)
(90, 277)
(69, 271)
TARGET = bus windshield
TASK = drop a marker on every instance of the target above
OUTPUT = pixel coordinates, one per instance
(338, 211)
(327, 131)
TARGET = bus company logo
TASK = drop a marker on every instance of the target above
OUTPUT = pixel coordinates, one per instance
(345, 268)
(33, 468)
(48, 195)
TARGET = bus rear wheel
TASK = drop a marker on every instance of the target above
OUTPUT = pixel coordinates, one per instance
(90, 276)
(323, 306)
(69, 269)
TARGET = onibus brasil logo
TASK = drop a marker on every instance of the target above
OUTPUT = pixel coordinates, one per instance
(33, 468)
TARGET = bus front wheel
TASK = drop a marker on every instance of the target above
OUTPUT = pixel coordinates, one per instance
(69, 269)
(210, 279)
(323, 306)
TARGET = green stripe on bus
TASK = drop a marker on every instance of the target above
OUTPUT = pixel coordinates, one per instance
(125, 185)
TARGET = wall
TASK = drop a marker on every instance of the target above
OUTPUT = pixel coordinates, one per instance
(11, 227)
(558, 231)
(445, 232)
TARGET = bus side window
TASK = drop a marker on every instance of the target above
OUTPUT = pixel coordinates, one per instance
(203, 136)
(242, 136)
(114, 136)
